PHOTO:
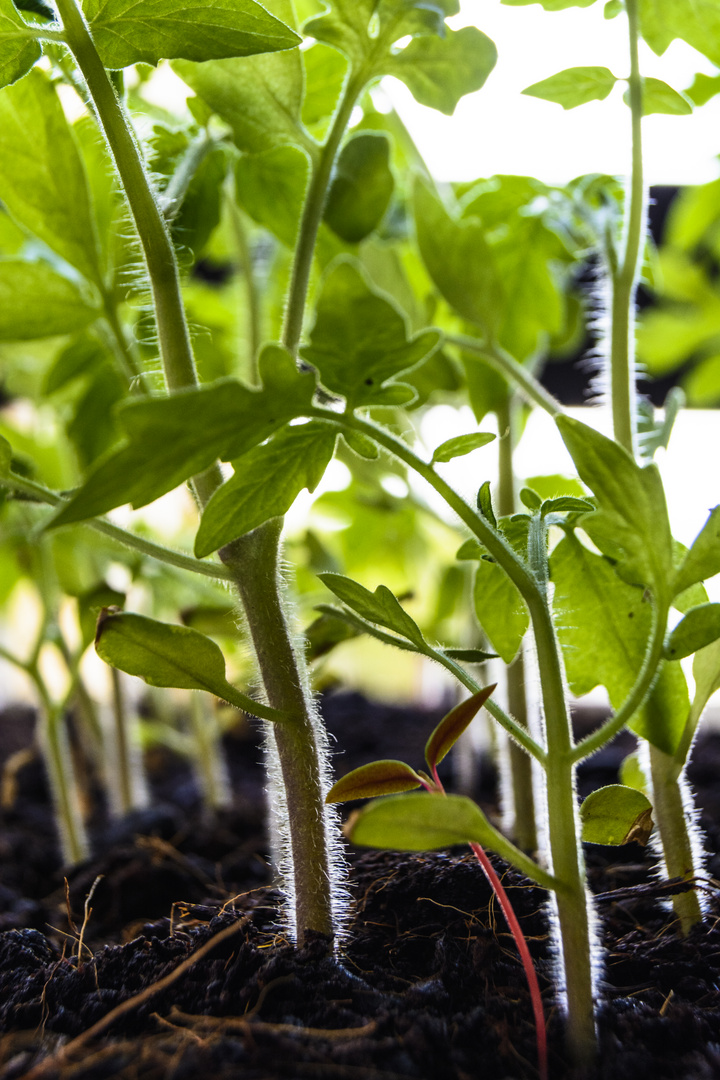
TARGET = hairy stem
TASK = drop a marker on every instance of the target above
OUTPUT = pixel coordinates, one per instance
(563, 824)
(523, 829)
(299, 740)
(672, 823)
(175, 348)
(624, 278)
(516, 374)
(38, 492)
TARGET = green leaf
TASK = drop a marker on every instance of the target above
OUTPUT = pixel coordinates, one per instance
(266, 483)
(699, 627)
(616, 815)
(551, 5)
(632, 773)
(461, 445)
(661, 21)
(706, 672)
(37, 302)
(524, 255)
(470, 656)
(658, 97)
(183, 434)
(360, 626)
(90, 438)
(484, 504)
(163, 654)
(260, 97)
(451, 727)
(345, 27)
(83, 354)
(42, 178)
(566, 504)
(360, 341)
(361, 445)
(574, 86)
(18, 49)
(361, 188)
(631, 522)
(458, 259)
(271, 187)
(145, 31)
(5, 456)
(420, 822)
(326, 632)
(703, 559)
(379, 778)
(531, 499)
(603, 625)
(500, 610)
(704, 87)
(325, 71)
(379, 607)
(438, 71)
(90, 603)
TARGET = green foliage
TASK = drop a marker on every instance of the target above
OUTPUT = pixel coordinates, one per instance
(270, 187)
(360, 341)
(451, 727)
(42, 179)
(266, 482)
(378, 778)
(616, 815)
(699, 627)
(18, 50)
(658, 97)
(438, 71)
(260, 97)
(165, 655)
(147, 31)
(631, 523)
(66, 307)
(603, 625)
(361, 188)
(662, 21)
(500, 610)
(379, 607)
(574, 86)
(461, 445)
(185, 433)
(419, 823)
(702, 561)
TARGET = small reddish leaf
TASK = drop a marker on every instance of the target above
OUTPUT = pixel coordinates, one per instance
(451, 727)
(379, 778)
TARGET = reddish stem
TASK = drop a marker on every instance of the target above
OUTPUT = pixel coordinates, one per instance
(522, 947)
(516, 931)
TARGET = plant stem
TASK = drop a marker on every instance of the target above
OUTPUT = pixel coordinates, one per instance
(313, 212)
(173, 196)
(246, 265)
(208, 754)
(523, 829)
(121, 767)
(624, 279)
(563, 823)
(40, 493)
(522, 947)
(672, 823)
(300, 742)
(126, 361)
(515, 373)
(174, 339)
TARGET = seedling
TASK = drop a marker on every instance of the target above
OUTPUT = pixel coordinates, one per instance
(391, 777)
(270, 123)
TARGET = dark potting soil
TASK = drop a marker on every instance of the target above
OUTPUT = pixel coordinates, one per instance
(426, 983)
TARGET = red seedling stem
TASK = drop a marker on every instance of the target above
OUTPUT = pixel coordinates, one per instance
(522, 945)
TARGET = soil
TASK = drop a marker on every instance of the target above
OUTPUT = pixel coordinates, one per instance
(426, 983)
